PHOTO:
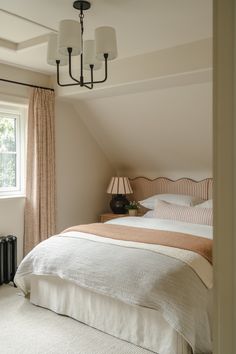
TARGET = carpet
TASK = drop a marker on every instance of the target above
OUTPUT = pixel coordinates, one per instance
(28, 329)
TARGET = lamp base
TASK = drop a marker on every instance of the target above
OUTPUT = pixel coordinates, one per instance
(118, 204)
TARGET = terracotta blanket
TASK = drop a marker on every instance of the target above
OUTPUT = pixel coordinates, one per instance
(200, 245)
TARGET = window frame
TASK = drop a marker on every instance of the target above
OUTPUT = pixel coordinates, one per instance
(19, 112)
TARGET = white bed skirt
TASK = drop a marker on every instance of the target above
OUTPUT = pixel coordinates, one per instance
(141, 326)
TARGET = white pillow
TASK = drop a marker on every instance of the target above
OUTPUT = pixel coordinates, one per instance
(207, 204)
(178, 199)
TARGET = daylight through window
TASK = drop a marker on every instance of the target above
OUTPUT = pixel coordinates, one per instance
(11, 150)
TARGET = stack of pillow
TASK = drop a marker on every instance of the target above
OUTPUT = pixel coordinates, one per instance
(180, 208)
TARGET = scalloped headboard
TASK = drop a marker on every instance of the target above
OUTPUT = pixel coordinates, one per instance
(144, 187)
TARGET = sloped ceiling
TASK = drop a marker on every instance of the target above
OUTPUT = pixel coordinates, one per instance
(160, 132)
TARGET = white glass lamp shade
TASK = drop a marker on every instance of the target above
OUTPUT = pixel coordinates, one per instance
(52, 52)
(119, 185)
(90, 56)
(69, 37)
(105, 38)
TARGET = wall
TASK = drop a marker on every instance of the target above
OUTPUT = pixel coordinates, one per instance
(153, 116)
(83, 172)
(149, 120)
(12, 220)
(79, 160)
(224, 248)
(12, 209)
(153, 133)
(13, 73)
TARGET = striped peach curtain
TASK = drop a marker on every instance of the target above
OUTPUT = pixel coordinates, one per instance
(40, 174)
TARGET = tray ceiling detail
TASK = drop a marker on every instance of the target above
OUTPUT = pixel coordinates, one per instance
(25, 25)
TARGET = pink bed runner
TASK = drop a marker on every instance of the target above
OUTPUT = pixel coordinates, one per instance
(197, 244)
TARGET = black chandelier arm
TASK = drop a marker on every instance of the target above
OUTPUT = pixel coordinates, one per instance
(58, 77)
(106, 72)
(88, 87)
(81, 82)
(71, 84)
(85, 84)
(70, 67)
(91, 72)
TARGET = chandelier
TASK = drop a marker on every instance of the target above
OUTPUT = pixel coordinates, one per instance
(69, 42)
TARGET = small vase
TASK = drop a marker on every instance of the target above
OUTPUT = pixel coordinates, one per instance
(133, 212)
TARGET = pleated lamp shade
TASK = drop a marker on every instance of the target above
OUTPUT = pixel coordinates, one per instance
(119, 185)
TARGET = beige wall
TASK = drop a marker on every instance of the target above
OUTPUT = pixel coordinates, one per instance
(224, 251)
(160, 132)
(83, 171)
(13, 73)
(12, 220)
(12, 209)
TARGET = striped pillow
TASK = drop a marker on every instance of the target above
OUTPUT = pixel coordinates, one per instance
(164, 210)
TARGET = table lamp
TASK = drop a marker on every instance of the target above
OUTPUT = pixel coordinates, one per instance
(119, 187)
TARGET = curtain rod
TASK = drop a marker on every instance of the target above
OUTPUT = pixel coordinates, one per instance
(25, 84)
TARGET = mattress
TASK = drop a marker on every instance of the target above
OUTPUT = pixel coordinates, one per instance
(141, 326)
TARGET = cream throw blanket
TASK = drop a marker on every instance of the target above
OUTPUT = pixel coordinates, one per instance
(135, 275)
(200, 245)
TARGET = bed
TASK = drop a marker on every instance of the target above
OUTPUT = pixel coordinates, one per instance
(108, 282)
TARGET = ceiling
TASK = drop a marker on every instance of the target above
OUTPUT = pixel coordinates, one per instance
(156, 132)
(142, 26)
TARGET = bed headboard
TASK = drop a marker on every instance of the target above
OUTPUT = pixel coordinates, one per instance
(144, 187)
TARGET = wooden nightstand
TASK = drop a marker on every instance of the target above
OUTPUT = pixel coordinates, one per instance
(109, 216)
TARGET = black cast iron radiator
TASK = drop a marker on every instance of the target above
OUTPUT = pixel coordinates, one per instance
(8, 251)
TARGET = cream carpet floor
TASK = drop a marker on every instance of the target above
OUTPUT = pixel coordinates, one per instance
(28, 329)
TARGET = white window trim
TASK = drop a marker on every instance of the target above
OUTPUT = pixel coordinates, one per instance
(21, 112)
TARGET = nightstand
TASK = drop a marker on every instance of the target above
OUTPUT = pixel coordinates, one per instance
(109, 216)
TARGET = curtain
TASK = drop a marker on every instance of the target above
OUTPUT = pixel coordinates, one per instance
(40, 173)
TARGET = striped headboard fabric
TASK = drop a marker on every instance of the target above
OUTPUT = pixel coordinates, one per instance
(210, 188)
(144, 187)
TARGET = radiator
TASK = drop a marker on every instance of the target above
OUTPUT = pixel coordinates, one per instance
(8, 251)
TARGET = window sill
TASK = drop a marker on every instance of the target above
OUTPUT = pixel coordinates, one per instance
(12, 196)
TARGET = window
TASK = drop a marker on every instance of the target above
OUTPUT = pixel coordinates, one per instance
(12, 157)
